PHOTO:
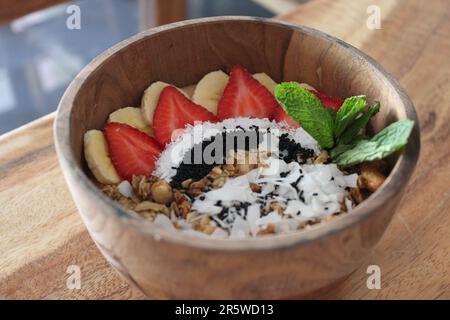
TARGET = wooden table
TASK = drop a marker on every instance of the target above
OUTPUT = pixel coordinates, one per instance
(41, 233)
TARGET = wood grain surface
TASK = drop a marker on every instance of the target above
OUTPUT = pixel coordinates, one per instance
(42, 233)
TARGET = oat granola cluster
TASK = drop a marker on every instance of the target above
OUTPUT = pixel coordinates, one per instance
(152, 196)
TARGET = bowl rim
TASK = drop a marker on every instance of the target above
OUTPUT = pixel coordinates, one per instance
(397, 179)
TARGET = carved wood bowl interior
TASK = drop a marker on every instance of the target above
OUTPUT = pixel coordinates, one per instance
(166, 264)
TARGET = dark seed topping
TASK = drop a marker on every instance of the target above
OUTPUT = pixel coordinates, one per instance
(293, 151)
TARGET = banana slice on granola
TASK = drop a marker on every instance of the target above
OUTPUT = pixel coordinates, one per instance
(266, 81)
(150, 100)
(97, 157)
(132, 117)
(209, 90)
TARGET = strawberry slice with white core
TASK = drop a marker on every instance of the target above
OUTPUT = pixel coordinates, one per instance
(244, 96)
(173, 112)
(132, 152)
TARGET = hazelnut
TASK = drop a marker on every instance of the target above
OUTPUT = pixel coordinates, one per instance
(372, 178)
(162, 192)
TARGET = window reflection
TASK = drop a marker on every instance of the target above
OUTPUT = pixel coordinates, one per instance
(39, 55)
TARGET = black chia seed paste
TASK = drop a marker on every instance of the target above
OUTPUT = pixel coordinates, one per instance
(188, 169)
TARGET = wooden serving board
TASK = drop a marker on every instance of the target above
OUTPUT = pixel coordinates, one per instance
(41, 234)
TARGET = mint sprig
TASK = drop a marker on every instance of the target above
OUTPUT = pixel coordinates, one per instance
(305, 108)
(358, 124)
(348, 112)
(391, 139)
(340, 132)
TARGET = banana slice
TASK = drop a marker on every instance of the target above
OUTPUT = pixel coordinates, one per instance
(189, 90)
(210, 89)
(97, 157)
(266, 81)
(132, 117)
(150, 100)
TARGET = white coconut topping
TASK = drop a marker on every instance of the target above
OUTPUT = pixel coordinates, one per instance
(125, 189)
(287, 193)
(303, 191)
(174, 153)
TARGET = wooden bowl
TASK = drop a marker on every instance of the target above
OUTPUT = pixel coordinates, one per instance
(166, 264)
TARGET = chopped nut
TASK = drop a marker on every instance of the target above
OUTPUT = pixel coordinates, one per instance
(151, 215)
(307, 224)
(275, 206)
(270, 228)
(255, 187)
(243, 168)
(142, 186)
(343, 206)
(380, 165)
(356, 195)
(204, 225)
(204, 220)
(219, 182)
(176, 225)
(181, 205)
(174, 209)
(230, 168)
(178, 196)
(112, 191)
(190, 216)
(126, 202)
(153, 206)
(186, 183)
(322, 157)
(196, 188)
(217, 170)
(198, 184)
(372, 178)
(161, 192)
(184, 208)
(208, 229)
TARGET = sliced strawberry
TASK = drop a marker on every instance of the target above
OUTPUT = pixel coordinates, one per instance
(175, 111)
(331, 102)
(244, 96)
(280, 115)
(132, 151)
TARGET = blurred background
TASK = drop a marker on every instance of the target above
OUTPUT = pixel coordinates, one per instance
(40, 55)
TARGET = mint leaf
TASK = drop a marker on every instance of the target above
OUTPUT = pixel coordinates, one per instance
(348, 112)
(386, 142)
(305, 108)
(350, 133)
(341, 147)
(332, 113)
